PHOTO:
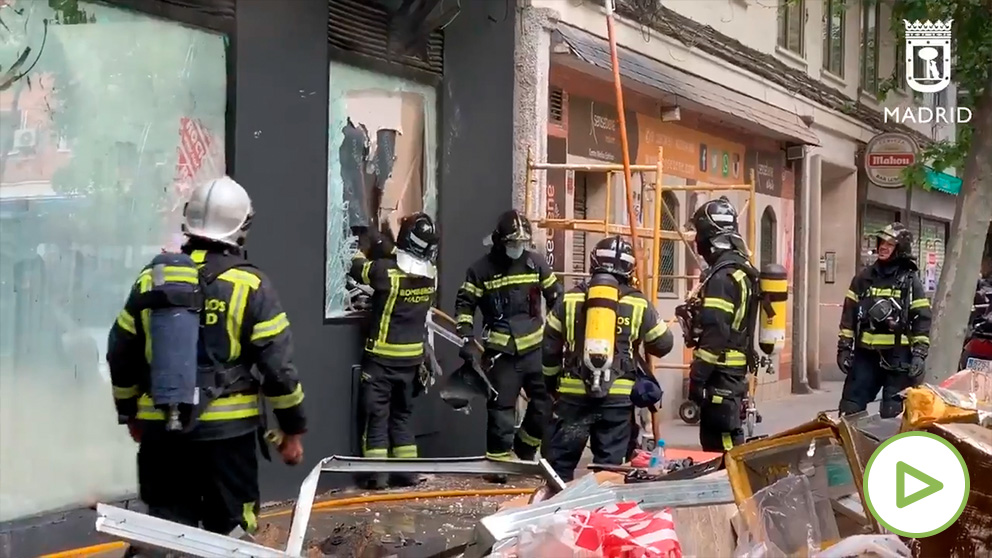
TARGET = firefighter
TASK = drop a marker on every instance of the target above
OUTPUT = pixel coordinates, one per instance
(591, 342)
(884, 327)
(507, 285)
(721, 326)
(404, 281)
(200, 467)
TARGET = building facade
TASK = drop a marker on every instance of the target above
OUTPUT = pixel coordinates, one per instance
(796, 90)
(129, 104)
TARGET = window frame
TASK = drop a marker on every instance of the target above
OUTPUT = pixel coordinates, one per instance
(399, 71)
(866, 11)
(828, 38)
(676, 209)
(786, 10)
(769, 213)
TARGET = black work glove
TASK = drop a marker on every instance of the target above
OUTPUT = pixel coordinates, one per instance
(845, 355)
(697, 392)
(918, 364)
(469, 351)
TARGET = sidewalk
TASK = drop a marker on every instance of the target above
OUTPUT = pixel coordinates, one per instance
(777, 415)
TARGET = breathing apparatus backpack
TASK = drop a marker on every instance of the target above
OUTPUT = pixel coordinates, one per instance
(600, 328)
(178, 384)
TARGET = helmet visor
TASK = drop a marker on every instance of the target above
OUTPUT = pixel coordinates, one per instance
(414, 265)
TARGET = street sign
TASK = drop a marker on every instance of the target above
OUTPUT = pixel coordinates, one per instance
(886, 156)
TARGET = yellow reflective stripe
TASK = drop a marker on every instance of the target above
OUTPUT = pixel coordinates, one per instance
(548, 281)
(465, 319)
(570, 321)
(554, 323)
(375, 452)
(920, 340)
(471, 289)
(288, 400)
(405, 452)
(387, 312)
(919, 303)
(850, 295)
(366, 268)
(126, 322)
(731, 358)
(501, 456)
(144, 284)
(498, 338)
(176, 274)
(232, 407)
(521, 279)
(655, 332)
(846, 333)
(235, 315)
(249, 517)
(741, 310)
(572, 386)
(884, 291)
(719, 304)
(728, 441)
(526, 438)
(882, 339)
(199, 256)
(397, 350)
(550, 370)
(531, 339)
(716, 399)
(621, 387)
(270, 328)
(638, 306)
(125, 392)
(240, 276)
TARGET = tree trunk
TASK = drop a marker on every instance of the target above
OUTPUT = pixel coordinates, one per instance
(959, 277)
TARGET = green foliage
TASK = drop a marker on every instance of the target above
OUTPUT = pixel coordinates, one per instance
(971, 50)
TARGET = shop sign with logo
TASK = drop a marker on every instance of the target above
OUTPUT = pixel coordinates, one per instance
(594, 130)
(689, 153)
(942, 182)
(886, 156)
(768, 168)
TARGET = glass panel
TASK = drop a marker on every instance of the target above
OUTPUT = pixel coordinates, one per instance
(381, 164)
(116, 115)
(769, 234)
(797, 19)
(667, 254)
(836, 52)
(871, 47)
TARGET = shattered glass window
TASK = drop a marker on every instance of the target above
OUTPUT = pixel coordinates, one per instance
(106, 119)
(382, 165)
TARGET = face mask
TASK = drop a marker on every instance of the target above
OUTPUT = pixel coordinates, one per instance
(514, 252)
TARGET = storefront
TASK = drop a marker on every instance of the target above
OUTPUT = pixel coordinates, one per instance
(127, 106)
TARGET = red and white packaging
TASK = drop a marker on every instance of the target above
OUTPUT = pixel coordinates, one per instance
(620, 530)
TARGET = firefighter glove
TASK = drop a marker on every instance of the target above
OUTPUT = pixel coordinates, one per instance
(845, 359)
(917, 366)
(697, 392)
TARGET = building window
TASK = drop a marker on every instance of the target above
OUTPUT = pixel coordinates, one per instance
(834, 12)
(769, 237)
(667, 255)
(871, 11)
(381, 165)
(791, 26)
(142, 102)
(900, 71)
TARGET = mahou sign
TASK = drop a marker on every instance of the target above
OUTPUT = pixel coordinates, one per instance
(886, 156)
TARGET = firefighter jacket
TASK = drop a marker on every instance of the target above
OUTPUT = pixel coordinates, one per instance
(638, 325)
(887, 282)
(509, 294)
(400, 303)
(727, 317)
(243, 327)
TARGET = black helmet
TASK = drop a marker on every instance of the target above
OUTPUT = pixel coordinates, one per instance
(511, 227)
(418, 236)
(715, 223)
(613, 255)
(898, 234)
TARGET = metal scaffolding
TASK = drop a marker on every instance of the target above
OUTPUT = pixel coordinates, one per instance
(650, 280)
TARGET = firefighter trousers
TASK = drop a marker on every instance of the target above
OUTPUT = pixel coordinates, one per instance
(868, 376)
(720, 426)
(508, 374)
(387, 401)
(208, 483)
(607, 429)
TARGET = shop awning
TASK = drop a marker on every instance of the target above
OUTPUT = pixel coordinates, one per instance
(691, 92)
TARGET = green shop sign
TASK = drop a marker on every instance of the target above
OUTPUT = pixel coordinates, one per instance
(942, 182)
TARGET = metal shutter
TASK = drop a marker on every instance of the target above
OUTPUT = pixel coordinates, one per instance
(579, 253)
(933, 238)
(874, 219)
(360, 27)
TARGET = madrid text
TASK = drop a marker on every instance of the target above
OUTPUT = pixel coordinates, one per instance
(928, 115)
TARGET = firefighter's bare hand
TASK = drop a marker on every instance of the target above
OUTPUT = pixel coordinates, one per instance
(134, 429)
(291, 449)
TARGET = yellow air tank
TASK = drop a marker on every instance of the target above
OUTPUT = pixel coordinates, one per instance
(774, 295)
(602, 301)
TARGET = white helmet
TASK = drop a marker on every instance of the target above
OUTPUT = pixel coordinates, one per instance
(219, 210)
